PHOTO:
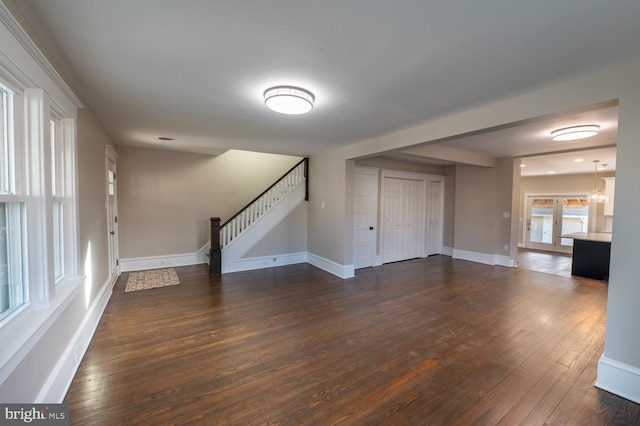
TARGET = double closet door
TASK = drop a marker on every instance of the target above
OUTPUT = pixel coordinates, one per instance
(403, 219)
(396, 216)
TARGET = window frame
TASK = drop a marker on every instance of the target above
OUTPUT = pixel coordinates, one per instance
(42, 179)
(10, 195)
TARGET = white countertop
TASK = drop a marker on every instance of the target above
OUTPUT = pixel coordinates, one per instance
(604, 237)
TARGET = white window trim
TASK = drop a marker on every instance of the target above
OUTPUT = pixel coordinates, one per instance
(25, 70)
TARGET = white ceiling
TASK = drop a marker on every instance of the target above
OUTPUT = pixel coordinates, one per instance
(195, 70)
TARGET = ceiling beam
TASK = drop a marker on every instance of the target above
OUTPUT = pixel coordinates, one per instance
(453, 155)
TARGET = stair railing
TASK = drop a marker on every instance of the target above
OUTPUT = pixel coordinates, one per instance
(225, 234)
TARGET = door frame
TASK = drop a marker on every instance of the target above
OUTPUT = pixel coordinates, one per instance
(527, 214)
(436, 240)
(111, 208)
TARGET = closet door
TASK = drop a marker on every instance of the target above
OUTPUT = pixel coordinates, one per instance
(413, 216)
(393, 193)
(403, 219)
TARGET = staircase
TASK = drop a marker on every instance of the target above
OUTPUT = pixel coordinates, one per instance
(234, 238)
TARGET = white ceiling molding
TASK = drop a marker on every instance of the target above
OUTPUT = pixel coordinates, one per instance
(29, 77)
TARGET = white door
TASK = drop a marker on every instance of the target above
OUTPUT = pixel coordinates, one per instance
(403, 219)
(435, 208)
(393, 192)
(413, 219)
(112, 215)
(365, 207)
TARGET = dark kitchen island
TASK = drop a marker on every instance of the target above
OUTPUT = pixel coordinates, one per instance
(591, 253)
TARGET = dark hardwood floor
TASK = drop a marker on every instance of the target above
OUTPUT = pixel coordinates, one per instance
(434, 341)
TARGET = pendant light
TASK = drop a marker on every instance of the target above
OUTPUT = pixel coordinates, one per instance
(597, 196)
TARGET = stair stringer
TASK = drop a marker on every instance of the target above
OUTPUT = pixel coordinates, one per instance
(260, 228)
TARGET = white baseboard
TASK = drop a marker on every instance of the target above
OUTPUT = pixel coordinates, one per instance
(487, 259)
(472, 256)
(504, 261)
(619, 378)
(447, 251)
(200, 257)
(166, 261)
(58, 382)
(342, 271)
(265, 262)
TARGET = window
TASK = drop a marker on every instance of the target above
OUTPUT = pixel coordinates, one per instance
(57, 197)
(6, 140)
(12, 291)
(12, 208)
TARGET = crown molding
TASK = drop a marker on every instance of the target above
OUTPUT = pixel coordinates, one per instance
(23, 38)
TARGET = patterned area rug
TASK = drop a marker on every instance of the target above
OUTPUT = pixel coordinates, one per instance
(155, 278)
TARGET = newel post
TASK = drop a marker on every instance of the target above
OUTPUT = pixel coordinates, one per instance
(215, 254)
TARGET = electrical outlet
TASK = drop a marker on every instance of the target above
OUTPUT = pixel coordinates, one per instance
(506, 247)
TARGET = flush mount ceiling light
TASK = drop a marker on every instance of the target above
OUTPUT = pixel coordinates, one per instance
(575, 132)
(289, 100)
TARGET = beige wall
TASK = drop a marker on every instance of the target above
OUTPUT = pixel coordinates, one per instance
(165, 198)
(392, 164)
(449, 206)
(475, 212)
(288, 237)
(561, 183)
(92, 175)
(327, 209)
(507, 196)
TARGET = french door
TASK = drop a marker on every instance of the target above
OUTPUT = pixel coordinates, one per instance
(549, 217)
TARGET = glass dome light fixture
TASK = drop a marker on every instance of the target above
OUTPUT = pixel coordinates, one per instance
(575, 132)
(597, 196)
(289, 100)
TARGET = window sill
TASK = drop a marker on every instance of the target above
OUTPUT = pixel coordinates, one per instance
(22, 330)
